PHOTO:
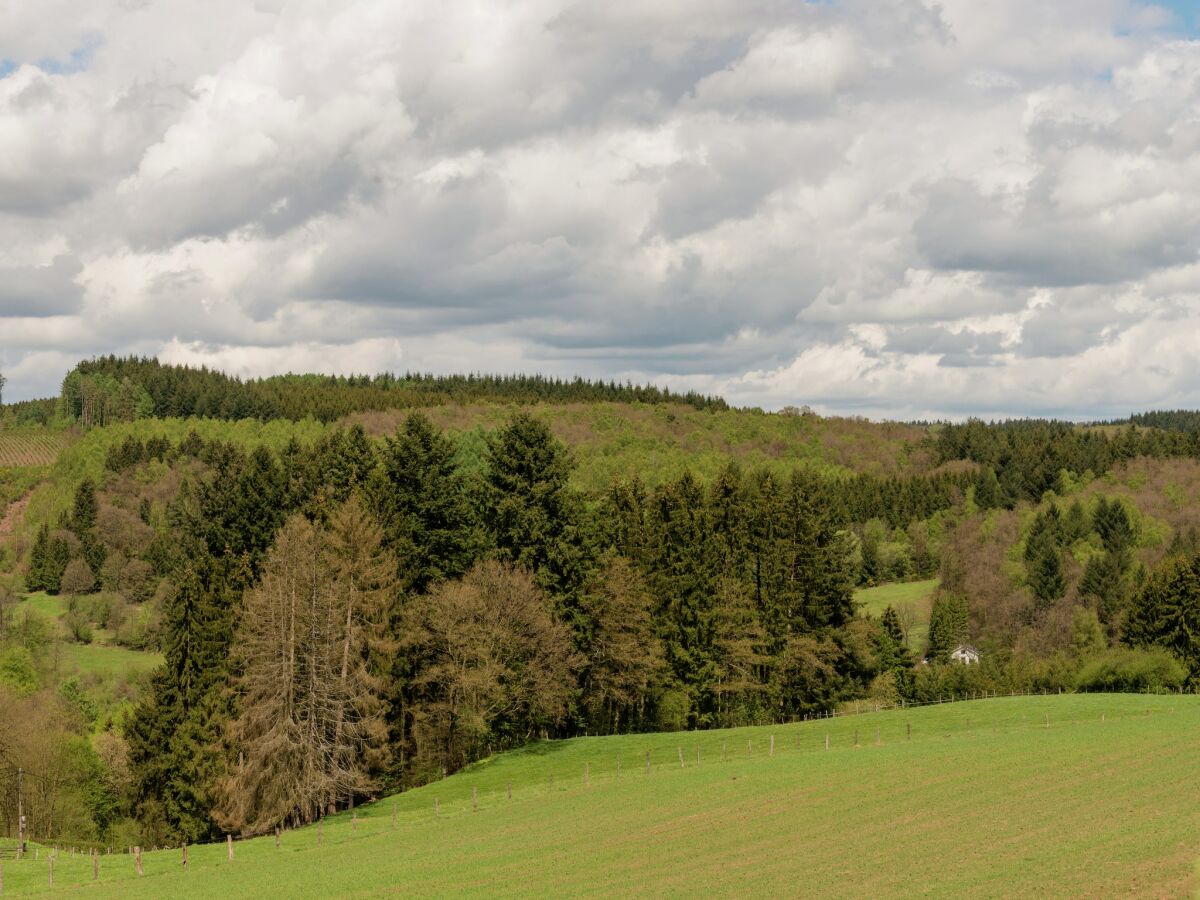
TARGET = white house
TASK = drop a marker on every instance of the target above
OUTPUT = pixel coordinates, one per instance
(965, 654)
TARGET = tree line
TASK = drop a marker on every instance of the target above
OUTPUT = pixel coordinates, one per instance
(120, 389)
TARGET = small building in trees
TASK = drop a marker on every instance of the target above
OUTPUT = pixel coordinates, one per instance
(965, 654)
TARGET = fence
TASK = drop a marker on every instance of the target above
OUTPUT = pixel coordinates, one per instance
(590, 775)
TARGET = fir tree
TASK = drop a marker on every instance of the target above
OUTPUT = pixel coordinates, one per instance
(947, 625)
(421, 501)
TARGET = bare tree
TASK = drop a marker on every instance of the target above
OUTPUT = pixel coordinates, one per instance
(492, 663)
(906, 613)
(310, 728)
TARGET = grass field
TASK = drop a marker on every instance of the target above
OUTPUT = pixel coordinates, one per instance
(983, 801)
(919, 593)
(101, 657)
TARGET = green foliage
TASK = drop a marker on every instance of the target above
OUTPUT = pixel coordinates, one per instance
(1166, 613)
(419, 496)
(17, 670)
(1132, 671)
(947, 625)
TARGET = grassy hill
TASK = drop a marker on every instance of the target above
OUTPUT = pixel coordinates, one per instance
(983, 800)
(917, 594)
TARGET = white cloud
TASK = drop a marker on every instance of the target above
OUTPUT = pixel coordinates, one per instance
(900, 207)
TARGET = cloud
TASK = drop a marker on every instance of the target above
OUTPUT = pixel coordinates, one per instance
(37, 291)
(899, 207)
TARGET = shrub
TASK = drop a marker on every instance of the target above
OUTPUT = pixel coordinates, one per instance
(1135, 671)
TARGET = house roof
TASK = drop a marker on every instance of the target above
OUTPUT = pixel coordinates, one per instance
(966, 648)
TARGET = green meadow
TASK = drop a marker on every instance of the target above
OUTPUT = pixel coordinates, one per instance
(1077, 795)
(919, 594)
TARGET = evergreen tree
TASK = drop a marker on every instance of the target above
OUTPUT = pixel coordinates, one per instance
(1114, 527)
(682, 580)
(988, 493)
(1103, 581)
(890, 620)
(421, 501)
(625, 656)
(35, 577)
(1046, 576)
(741, 656)
(533, 516)
(947, 625)
(1165, 612)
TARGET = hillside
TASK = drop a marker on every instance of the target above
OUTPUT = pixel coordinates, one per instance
(984, 799)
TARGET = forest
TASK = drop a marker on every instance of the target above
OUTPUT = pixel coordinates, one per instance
(336, 617)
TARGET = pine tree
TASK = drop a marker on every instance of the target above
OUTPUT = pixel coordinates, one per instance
(947, 625)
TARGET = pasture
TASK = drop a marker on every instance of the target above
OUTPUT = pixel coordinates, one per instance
(917, 595)
(1078, 795)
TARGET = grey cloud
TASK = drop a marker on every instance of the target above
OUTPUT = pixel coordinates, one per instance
(39, 291)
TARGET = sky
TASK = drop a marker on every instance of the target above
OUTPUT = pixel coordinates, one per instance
(891, 208)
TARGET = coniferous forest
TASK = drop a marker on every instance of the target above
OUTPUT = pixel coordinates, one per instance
(340, 615)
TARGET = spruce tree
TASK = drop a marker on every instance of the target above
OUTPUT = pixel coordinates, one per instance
(420, 498)
(35, 577)
(947, 625)
(533, 516)
(1046, 576)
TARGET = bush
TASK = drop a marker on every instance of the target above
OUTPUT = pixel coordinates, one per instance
(1134, 671)
(17, 670)
(78, 626)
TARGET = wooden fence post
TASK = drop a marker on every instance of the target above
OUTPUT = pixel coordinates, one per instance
(1047, 720)
(908, 727)
(772, 745)
(393, 815)
(137, 860)
(183, 863)
(826, 741)
(50, 861)
(437, 808)
(680, 749)
(474, 799)
(749, 749)
(96, 863)
(510, 784)
(697, 756)
(647, 762)
(354, 821)
(723, 748)
(229, 846)
(276, 837)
